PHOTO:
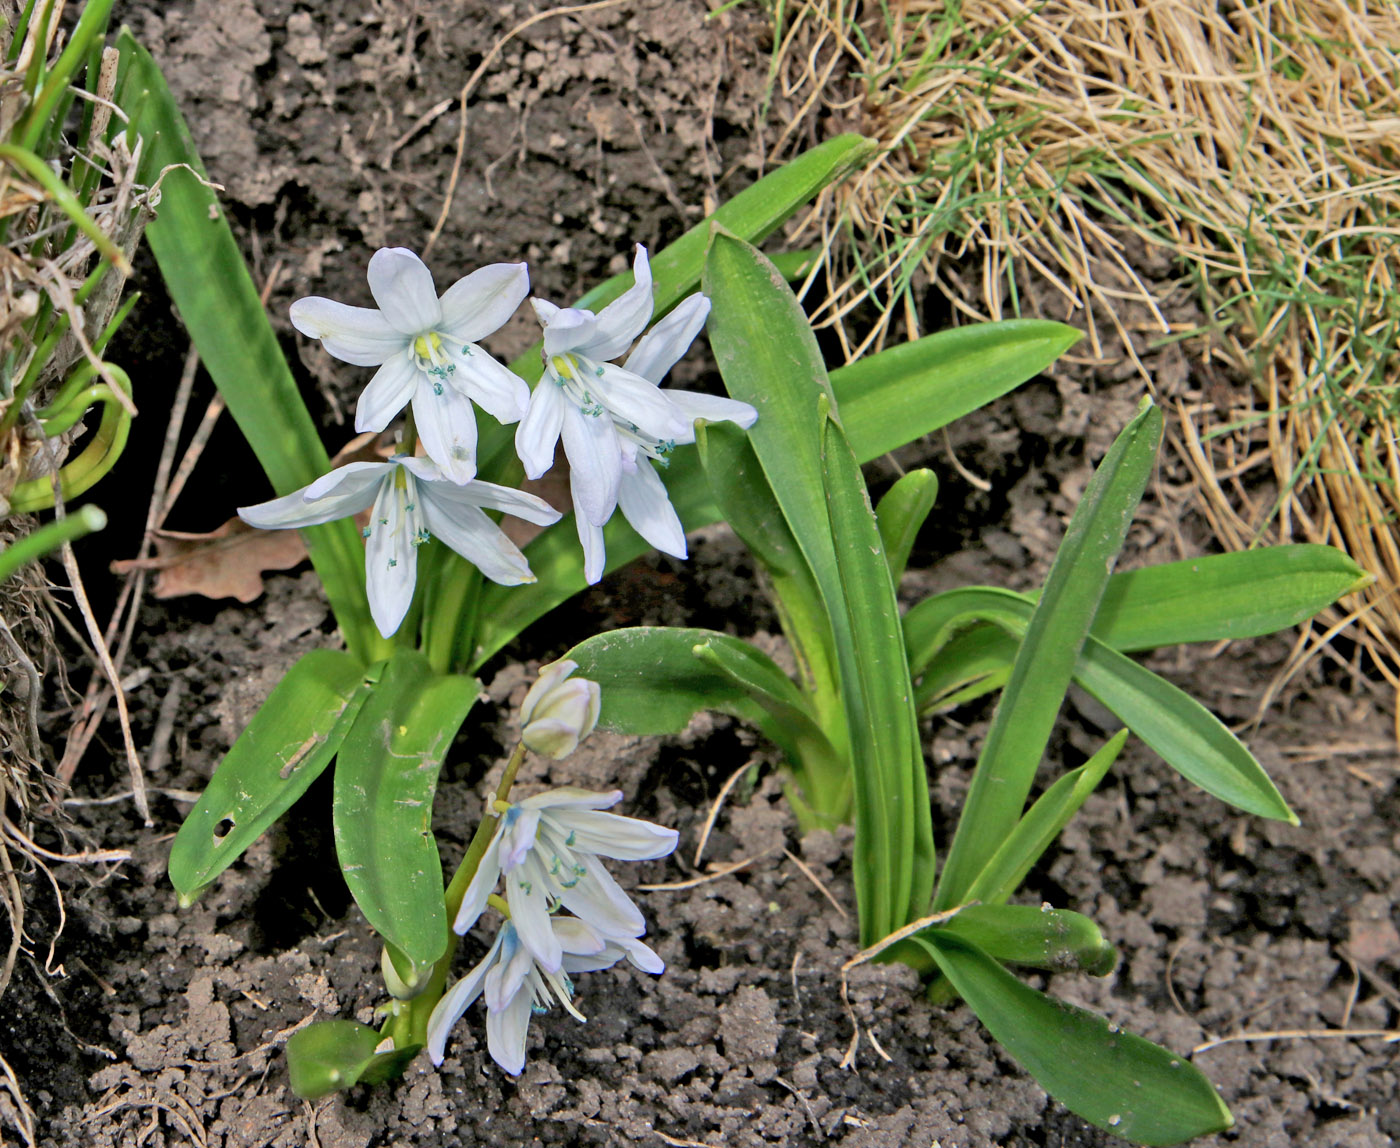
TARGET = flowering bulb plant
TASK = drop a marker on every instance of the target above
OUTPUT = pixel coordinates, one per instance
(779, 460)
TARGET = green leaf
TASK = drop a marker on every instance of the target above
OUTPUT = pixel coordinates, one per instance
(1191, 739)
(901, 394)
(1224, 596)
(209, 283)
(1041, 825)
(1115, 1080)
(290, 740)
(747, 503)
(329, 1056)
(1057, 940)
(655, 679)
(901, 513)
(769, 358)
(1045, 662)
(974, 663)
(384, 784)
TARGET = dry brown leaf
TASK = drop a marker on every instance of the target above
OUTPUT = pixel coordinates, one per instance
(225, 563)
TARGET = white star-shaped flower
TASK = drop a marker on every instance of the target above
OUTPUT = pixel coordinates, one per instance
(426, 351)
(548, 849)
(614, 419)
(411, 502)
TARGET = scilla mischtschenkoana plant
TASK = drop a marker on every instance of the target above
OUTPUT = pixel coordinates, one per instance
(429, 590)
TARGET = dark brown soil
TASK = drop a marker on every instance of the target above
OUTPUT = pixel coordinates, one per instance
(150, 1026)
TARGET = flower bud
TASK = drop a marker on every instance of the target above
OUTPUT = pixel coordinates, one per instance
(402, 988)
(558, 712)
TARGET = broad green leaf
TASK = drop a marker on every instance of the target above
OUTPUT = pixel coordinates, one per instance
(901, 513)
(329, 1056)
(1113, 1079)
(385, 779)
(748, 504)
(901, 394)
(1045, 662)
(655, 679)
(769, 358)
(1223, 596)
(290, 740)
(209, 283)
(974, 663)
(1042, 824)
(1058, 940)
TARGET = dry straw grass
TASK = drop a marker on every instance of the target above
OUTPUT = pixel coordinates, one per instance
(1253, 142)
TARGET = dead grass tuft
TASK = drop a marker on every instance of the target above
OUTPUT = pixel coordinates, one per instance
(1252, 143)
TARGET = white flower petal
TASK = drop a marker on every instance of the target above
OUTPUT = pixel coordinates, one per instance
(476, 538)
(567, 329)
(551, 737)
(490, 496)
(599, 900)
(669, 339)
(527, 894)
(358, 335)
(506, 1030)
(595, 463)
(711, 408)
(391, 560)
(447, 429)
(632, 399)
(403, 287)
(625, 317)
(612, 835)
(646, 505)
(387, 393)
(512, 969)
(519, 836)
(595, 555)
(642, 956)
(481, 302)
(349, 494)
(448, 1011)
(538, 432)
(494, 388)
(483, 882)
(573, 797)
(544, 309)
(576, 938)
(592, 963)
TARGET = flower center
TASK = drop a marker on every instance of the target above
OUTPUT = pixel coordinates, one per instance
(570, 373)
(431, 358)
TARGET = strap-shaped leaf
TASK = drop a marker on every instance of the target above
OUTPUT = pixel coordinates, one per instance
(1113, 1079)
(1224, 596)
(901, 513)
(769, 358)
(209, 283)
(290, 740)
(907, 391)
(1041, 825)
(1191, 739)
(1045, 662)
(1038, 937)
(384, 784)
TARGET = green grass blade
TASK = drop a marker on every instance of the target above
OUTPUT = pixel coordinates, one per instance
(1224, 596)
(209, 283)
(290, 740)
(1115, 1080)
(898, 395)
(385, 779)
(1045, 662)
(900, 515)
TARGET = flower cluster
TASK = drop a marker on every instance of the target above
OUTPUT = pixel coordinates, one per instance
(546, 851)
(614, 420)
